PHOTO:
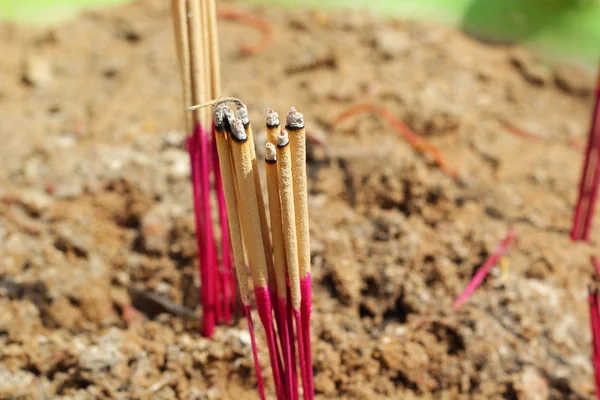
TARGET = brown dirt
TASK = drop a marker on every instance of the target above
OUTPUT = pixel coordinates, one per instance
(95, 211)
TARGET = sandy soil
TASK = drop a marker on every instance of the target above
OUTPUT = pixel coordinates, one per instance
(95, 212)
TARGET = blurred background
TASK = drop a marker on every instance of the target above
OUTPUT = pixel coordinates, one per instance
(559, 29)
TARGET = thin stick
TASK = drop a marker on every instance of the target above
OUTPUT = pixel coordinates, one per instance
(280, 262)
(295, 126)
(179, 11)
(211, 311)
(595, 328)
(215, 60)
(229, 188)
(197, 53)
(275, 205)
(206, 57)
(284, 299)
(252, 235)
(286, 195)
(242, 112)
(590, 177)
(227, 285)
(484, 270)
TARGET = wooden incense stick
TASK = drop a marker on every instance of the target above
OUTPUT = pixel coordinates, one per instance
(286, 195)
(252, 235)
(279, 252)
(215, 60)
(213, 67)
(242, 114)
(279, 255)
(206, 59)
(180, 26)
(198, 54)
(229, 188)
(295, 126)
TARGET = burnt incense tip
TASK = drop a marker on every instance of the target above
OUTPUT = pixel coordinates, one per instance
(272, 119)
(242, 113)
(294, 120)
(237, 130)
(282, 139)
(271, 154)
(228, 118)
(219, 116)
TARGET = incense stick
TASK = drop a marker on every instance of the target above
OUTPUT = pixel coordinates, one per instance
(279, 255)
(295, 126)
(286, 195)
(226, 277)
(213, 68)
(252, 236)
(484, 270)
(179, 11)
(215, 60)
(197, 54)
(229, 188)
(595, 329)
(242, 112)
(590, 177)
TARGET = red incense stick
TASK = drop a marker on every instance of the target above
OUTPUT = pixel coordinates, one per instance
(590, 178)
(595, 328)
(200, 188)
(226, 271)
(484, 270)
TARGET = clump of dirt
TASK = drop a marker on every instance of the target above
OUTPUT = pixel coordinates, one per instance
(98, 285)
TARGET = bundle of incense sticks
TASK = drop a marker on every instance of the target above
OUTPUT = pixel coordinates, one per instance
(279, 259)
(590, 177)
(198, 56)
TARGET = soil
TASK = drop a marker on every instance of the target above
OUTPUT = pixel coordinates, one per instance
(98, 286)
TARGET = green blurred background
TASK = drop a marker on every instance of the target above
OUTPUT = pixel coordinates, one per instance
(561, 29)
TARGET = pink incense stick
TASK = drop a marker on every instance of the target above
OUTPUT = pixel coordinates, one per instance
(226, 272)
(590, 178)
(281, 314)
(484, 270)
(257, 369)
(302, 354)
(290, 326)
(595, 328)
(201, 239)
(265, 312)
(306, 310)
(210, 316)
